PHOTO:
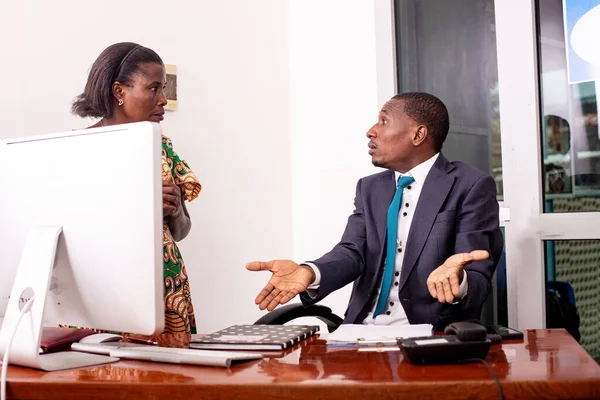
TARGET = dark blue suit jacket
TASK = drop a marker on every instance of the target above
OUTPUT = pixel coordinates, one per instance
(456, 212)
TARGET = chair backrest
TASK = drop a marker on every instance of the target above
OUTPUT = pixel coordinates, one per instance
(289, 312)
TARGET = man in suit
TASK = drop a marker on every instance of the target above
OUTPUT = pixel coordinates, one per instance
(418, 243)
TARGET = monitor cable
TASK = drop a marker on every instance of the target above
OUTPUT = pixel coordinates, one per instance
(24, 311)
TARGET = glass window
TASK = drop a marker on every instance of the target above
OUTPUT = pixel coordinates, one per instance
(448, 49)
(569, 134)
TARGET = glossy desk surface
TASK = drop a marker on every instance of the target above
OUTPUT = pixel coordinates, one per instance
(547, 364)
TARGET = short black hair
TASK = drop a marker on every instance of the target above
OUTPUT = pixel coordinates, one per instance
(430, 111)
(117, 63)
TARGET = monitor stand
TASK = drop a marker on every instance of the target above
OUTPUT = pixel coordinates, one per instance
(33, 278)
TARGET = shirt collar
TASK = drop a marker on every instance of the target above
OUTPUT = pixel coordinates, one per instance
(420, 172)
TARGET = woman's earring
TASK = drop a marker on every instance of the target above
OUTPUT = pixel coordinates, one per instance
(120, 102)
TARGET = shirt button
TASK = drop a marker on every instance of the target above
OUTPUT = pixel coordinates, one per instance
(408, 187)
(406, 204)
(391, 304)
(397, 273)
(405, 214)
(388, 312)
(396, 283)
(400, 250)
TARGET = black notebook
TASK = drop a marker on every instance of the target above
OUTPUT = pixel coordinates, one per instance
(255, 337)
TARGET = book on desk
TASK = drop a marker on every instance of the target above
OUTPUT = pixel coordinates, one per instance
(255, 337)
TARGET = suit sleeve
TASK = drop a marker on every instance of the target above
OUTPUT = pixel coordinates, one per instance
(478, 229)
(345, 262)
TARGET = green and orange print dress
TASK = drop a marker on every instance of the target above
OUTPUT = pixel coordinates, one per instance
(179, 311)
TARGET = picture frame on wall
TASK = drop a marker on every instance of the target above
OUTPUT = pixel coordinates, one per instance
(171, 89)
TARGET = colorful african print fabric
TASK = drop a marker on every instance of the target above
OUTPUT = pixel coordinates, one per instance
(179, 311)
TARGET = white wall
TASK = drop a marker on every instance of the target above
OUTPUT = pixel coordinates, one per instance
(275, 98)
(333, 104)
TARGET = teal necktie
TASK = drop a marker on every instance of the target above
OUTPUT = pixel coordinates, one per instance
(392, 234)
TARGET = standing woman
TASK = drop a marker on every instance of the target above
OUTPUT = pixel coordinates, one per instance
(126, 84)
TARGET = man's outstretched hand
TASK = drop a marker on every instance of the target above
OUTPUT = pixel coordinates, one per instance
(287, 281)
(443, 283)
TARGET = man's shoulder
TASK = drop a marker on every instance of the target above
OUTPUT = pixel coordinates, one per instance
(367, 183)
(468, 172)
(467, 177)
(386, 174)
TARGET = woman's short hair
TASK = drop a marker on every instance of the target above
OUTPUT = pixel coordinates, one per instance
(117, 63)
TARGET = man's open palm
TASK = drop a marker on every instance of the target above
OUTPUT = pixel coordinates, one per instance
(444, 282)
(287, 281)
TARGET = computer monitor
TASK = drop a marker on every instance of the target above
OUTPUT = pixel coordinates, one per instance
(102, 188)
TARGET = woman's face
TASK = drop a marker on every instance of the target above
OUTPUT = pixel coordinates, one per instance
(144, 98)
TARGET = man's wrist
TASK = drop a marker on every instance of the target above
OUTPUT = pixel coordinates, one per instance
(311, 272)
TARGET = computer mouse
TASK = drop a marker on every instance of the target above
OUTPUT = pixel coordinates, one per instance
(101, 338)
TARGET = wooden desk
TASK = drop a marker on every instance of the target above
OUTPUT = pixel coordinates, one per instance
(547, 364)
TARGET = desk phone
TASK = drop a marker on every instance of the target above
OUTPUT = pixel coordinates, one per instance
(463, 341)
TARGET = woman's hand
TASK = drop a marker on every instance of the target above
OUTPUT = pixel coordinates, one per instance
(171, 199)
(174, 211)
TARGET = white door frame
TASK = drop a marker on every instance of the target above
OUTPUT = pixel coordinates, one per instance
(519, 124)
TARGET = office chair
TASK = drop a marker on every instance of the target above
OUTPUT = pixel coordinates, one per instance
(289, 312)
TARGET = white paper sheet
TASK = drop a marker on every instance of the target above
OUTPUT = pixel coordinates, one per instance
(348, 334)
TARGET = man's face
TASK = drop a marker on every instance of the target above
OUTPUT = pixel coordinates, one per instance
(391, 138)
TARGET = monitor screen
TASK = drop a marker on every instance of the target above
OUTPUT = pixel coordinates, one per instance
(103, 187)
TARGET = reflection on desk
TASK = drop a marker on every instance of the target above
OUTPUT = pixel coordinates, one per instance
(132, 373)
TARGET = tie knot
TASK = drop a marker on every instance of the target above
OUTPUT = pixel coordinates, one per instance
(404, 181)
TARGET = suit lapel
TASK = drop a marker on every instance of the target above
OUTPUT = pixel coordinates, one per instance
(384, 193)
(436, 187)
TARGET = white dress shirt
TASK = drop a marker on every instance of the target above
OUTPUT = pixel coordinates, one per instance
(394, 313)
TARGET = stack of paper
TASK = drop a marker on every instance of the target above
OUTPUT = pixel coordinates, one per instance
(352, 335)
